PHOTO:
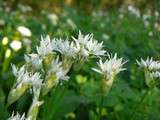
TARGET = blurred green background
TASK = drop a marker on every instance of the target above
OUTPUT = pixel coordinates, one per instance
(128, 27)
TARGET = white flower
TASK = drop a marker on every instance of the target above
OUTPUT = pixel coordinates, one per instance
(18, 117)
(83, 39)
(34, 59)
(95, 48)
(86, 45)
(66, 48)
(45, 47)
(24, 31)
(149, 64)
(19, 73)
(36, 80)
(16, 45)
(24, 77)
(56, 68)
(110, 67)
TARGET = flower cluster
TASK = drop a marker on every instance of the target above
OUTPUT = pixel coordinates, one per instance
(87, 46)
(82, 47)
(151, 69)
(49, 66)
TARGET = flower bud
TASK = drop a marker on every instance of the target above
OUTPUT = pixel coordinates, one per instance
(47, 60)
(106, 86)
(16, 93)
(49, 84)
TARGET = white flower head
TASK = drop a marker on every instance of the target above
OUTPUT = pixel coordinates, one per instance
(110, 67)
(95, 48)
(66, 48)
(86, 45)
(24, 31)
(56, 68)
(34, 59)
(45, 47)
(83, 39)
(24, 77)
(16, 45)
(149, 64)
(18, 117)
(19, 73)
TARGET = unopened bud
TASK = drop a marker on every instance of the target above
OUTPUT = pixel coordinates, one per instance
(49, 84)
(16, 93)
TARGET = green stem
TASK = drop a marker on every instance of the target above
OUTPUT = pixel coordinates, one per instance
(100, 107)
(140, 103)
(34, 108)
(106, 86)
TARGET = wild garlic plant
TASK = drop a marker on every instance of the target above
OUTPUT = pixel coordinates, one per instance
(109, 69)
(48, 67)
(151, 69)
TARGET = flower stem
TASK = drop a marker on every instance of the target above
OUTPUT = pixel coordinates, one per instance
(141, 102)
(100, 107)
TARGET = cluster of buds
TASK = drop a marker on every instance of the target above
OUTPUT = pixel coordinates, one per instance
(151, 70)
(49, 66)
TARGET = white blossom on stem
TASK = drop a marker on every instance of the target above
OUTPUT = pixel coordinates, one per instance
(110, 67)
(24, 77)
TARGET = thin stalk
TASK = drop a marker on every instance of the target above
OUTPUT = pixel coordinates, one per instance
(140, 103)
(100, 107)
(105, 88)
